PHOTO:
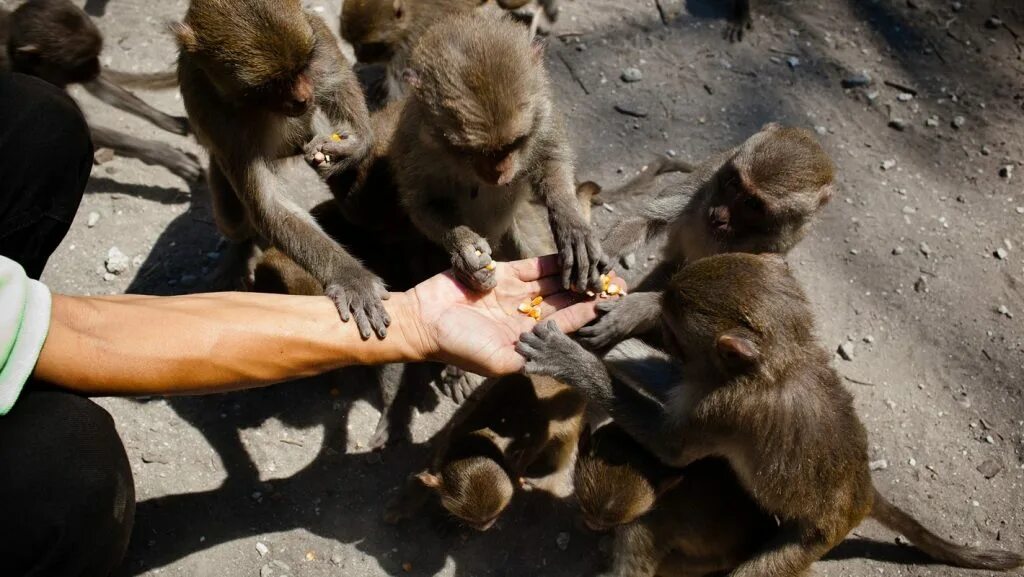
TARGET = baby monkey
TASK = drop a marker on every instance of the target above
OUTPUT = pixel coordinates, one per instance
(515, 430)
(477, 140)
(759, 197)
(694, 521)
(757, 390)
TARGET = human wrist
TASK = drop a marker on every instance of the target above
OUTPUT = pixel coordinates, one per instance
(409, 329)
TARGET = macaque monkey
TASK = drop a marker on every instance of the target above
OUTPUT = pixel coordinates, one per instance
(516, 428)
(756, 389)
(58, 42)
(478, 139)
(757, 198)
(694, 521)
(385, 31)
(262, 80)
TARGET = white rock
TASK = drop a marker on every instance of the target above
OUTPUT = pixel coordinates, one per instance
(116, 262)
(94, 217)
(262, 549)
(879, 465)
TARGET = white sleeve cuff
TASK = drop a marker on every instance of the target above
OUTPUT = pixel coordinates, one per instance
(31, 325)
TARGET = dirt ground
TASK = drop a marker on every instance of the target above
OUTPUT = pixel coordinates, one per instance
(903, 264)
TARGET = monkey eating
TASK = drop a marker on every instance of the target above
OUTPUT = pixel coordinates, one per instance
(759, 197)
(477, 139)
(513, 428)
(261, 80)
(58, 42)
(667, 521)
(756, 389)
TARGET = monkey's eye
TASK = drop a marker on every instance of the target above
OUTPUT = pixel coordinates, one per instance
(754, 204)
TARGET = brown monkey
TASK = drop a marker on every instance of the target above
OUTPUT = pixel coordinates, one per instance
(261, 80)
(477, 139)
(758, 197)
(515, 427)
(693, 521)
(757, 390)
(58, 42)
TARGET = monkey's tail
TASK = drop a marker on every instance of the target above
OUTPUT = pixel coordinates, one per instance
(656, 167)
(144, 80)
(938, 548)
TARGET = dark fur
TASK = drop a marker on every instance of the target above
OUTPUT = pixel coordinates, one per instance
(758, 391)
(58, 42)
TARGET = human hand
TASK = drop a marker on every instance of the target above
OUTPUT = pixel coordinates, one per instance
(479, 332)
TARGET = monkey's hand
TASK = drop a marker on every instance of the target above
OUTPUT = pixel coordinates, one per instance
(549, 352)
(457, 384)
(471, 259)
(359, 293)
(621, 319)
(332, 153)
(739, 23)
(583, 261)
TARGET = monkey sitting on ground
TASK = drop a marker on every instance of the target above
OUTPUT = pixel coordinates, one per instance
(477, 139)
(384, 32)
(517, 428)
(262, 80)
(757, 390)
(758, 197)
(692, 522)
(58, 42)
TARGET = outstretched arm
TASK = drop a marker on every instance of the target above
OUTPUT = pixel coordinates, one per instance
(143, 345)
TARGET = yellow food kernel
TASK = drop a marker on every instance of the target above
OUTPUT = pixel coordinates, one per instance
(534, 314)
(491, 266)
(536, 301)
(336, 137)
(605, 281)
(525, 308)
(613, 289)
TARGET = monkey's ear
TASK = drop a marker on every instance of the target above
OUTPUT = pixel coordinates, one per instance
(411, 77)
(429, 479)
(734, 346)
(825, 194)
(538, 46)
(185, 36)
(399, 9)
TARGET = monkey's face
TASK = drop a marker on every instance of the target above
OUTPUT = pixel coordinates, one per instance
(610, 495)
(55, 41)
(735, 208)
(374, 28)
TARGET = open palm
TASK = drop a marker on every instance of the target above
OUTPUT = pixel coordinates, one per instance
(478, 332)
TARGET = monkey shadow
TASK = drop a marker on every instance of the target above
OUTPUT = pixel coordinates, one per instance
(861, 548)
(161, 194)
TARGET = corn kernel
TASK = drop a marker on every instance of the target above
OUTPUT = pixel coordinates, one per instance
(534, 314)
(536, 301)
(525, 308)
(336, 137)
(613, 289)
(491, 266)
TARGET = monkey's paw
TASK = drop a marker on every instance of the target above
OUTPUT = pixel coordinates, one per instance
(735, 29)
(473, 265)
(549, 352)
(358, 293)
(583, 261)
(333, 153)
(619, 320)
(457, 384)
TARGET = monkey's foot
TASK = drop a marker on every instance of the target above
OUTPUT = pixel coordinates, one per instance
(583, 261)
(359, 293)
(457, 384)
(474, 266)
(735, 29)
(549, 352)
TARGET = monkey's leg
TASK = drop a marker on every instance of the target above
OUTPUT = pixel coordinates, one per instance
(636, 552)
(787, 555)
(157, 153)
(389, 378)
(739, 22)
(120, 98)
(632, 315)
(238, 266)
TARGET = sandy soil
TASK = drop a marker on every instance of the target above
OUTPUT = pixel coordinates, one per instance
(902, 264)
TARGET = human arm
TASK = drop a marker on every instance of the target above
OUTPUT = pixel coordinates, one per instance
(142, 345)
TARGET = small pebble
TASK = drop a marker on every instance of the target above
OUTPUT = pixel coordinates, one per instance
(846, 350)
(336, 559)
(879, 465)
(103, 155)
(109, 276)
(898, 124)
(793, 62)
(985, 150)
(932, 121)
(1004, 311)
(629, 261)
(921, 285)
(857, 80)
(116, 261)
(990, 468)
(990, 440)
(904, 97)
(266, 571)
(925, 249)
(956, 6)
(909, 210)
(93, 218)
(262, 549)
(631, 110)
(632, 74)
(888, 164)
(898, 250)
(562, 540)
(1020, 210)
(958, 122)
(912, 462)
(993, 23)
(869, 339)
(1006, 172)
(1000, 253)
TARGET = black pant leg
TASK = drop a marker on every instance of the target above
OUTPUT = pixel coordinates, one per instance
(67, 499)
(45, 160)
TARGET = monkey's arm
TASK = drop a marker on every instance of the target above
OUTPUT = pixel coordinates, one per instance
(632, 315)
(118, 97)
(550, 352)
(148, 151)
(583, 261)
